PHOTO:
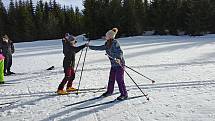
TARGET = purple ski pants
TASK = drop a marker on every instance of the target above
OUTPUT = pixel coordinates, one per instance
(117, 73)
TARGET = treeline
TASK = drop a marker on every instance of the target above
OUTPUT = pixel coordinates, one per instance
(23, 21)
(46, 20)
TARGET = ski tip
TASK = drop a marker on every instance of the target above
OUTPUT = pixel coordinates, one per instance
(153, 82)
(147, 99)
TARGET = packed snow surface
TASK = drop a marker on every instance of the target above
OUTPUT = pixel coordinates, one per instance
(182, 66)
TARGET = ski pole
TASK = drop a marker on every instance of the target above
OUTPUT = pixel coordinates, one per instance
(81, 52)
(79, 60)
(140, 74)
(136, 84)
(130, 77)
(82, 68)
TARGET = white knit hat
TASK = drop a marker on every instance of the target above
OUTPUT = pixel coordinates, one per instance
(111, 33)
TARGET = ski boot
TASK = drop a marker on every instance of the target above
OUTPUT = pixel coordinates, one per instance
(10, 72)
(62, 92)
(106, 94)
(71, 89)
(122, 97)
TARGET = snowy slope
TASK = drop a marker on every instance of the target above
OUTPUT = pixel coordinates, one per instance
(183, 68)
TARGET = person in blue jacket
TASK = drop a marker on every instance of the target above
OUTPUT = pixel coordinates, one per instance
(115, 54)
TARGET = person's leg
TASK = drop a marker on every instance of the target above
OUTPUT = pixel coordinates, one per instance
(120, 81)
(65, 79)
(1, 71)
(5, 64)
(111, 82)
(9, 64)
(71, 77)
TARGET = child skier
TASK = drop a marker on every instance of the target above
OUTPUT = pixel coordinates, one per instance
(69, 51)
(113, 50)
(1, 68)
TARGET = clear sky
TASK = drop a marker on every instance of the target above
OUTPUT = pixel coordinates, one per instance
(74, 3)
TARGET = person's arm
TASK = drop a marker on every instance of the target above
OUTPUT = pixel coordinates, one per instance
(0, 48)
(102, 47)
(64, 41)
(12, 47)
(77, 49)
(119, 52)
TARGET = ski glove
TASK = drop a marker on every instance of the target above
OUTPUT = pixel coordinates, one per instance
(117, 60)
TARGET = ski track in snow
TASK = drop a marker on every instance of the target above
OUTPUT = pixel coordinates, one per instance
(182, 66)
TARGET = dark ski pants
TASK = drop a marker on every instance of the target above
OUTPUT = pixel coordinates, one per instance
(117, 73)
(68, 78)
(7, 63)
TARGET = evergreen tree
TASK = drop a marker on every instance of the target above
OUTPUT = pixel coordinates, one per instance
(183, 11)
(198, 17)
(69, 20)
(211, 22)
(173, 16)
(129, 19)
(90, 17)
(160, 15)
(3, 19)
(12, 23)
(77, 21)
(29, 20)
(145, 17)
(139, 15)
(115, 16)
(39, 20)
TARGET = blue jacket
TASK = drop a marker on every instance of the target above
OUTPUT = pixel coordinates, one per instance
(114, 51)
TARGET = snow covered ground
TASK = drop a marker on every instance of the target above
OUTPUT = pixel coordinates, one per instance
(182, 66)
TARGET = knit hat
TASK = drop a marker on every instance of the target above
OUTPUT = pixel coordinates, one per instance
(6, 37)
(70, 38)
(67, 34)
(111, 33)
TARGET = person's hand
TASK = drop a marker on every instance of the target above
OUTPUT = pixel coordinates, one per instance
(87, 45)
(117, 61)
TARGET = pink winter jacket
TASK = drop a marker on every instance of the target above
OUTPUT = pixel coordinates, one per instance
(1, 57)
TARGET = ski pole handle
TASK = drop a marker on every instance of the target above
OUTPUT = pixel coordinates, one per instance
(116, 60)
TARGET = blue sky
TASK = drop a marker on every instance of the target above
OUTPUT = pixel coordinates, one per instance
(74, 3)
